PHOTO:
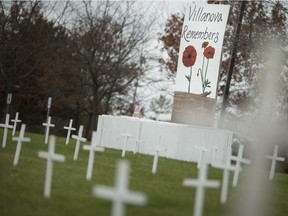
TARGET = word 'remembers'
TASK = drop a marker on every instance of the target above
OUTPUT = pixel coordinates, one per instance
(203, 35)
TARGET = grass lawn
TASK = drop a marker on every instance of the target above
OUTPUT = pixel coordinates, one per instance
(21, 187)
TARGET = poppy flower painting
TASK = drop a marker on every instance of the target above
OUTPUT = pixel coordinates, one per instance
(188, 59)
(189, 56)
(205, 44)
(208, 53)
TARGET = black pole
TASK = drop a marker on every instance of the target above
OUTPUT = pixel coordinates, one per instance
(232, 61)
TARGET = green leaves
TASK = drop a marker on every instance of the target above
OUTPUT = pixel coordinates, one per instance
(207, 83)
(188, 78)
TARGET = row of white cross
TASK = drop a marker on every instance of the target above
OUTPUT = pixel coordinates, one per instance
(121, 194)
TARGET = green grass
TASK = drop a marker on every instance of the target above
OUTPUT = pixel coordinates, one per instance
(21, 187)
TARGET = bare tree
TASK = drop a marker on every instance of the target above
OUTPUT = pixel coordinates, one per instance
(109, 42)
(27, 41)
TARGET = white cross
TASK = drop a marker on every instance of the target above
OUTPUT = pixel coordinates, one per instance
(79, 138)
(202, 149)
(138, 140)
(92, 149)
(50, 156)
(225, 179)
(216, 148)
(274, 158)
(47, 125)
(157, 149)
(6, 126)
(201, 183)
(126, 135)
(16, 120)
(69, 129)
(239, 159)
(19, 140)
(120, 194)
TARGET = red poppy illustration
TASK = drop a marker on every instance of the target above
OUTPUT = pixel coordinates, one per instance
(189, 56)
(209, 52)
(205, 44)
(189, 59)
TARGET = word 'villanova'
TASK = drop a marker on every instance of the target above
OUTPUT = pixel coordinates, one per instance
(198, 15)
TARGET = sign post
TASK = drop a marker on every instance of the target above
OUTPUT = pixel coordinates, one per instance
(48, 111)
(9, 99)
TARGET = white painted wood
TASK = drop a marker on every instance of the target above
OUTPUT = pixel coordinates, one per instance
(47, 129)
(6, 126)
(126, 136)
(239, 159)
(20, 140)
(225, 179)
(79, 139)
(180, 139)
(9, 98)
(69, 129)
(15, 121)
(50, 156)
(120, 194)
(201, 183)
(157, 150)
(92, 149)
(138, 140)
(274, 159)
(203, 149)
(49, 102)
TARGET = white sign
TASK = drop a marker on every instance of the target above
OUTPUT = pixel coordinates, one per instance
(201, 48)
(49, 102)
(9, 98)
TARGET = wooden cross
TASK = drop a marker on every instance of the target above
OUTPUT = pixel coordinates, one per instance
(138, 140)
(79, 139)
(50, 156)
(16, 120)
(225, 179)
(203, 150)
(215, 149)
(157, 149)
(239, 159)
(92, 149)
(126, 136)
(120, 194)
(201, 183)
(274, 158)
(6, 126)
(69, 129)
(20, 140)
(47, 125)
